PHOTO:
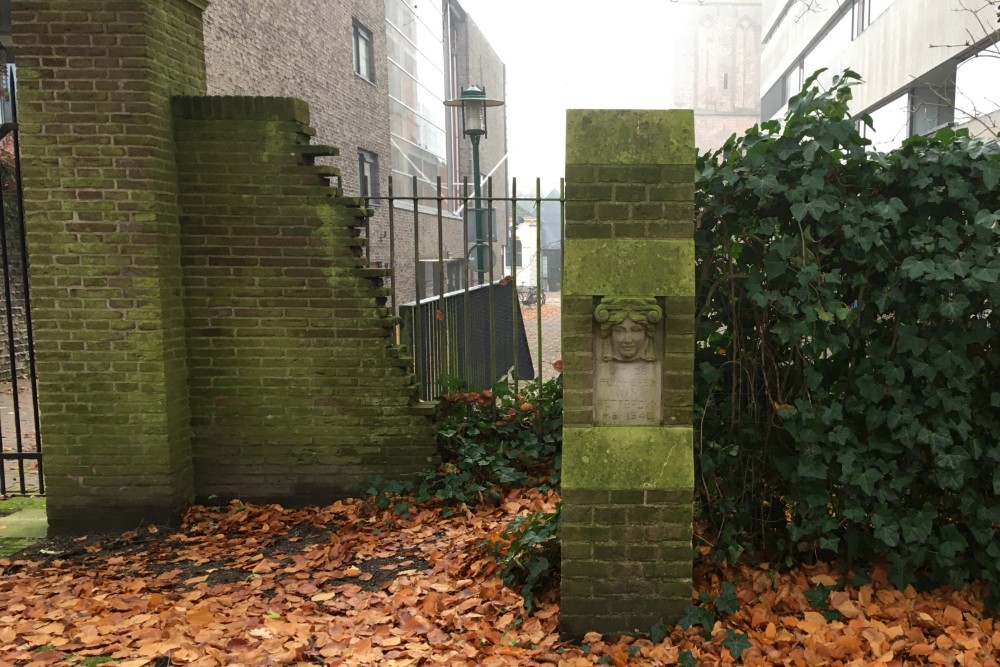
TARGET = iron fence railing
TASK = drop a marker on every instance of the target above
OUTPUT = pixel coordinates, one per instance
(20, 440)
(463, 334)
(506, 327)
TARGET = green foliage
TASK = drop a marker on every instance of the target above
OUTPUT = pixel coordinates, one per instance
(659, 632)
(726, 604)
(489, 441)
(694, 615)
(736, 642)
(528, 553)
(848, 345)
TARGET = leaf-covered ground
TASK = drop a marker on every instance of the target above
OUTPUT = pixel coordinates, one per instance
(344, 585)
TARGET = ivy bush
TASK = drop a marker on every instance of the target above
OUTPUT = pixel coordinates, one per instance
(489, 441)
(847, 366)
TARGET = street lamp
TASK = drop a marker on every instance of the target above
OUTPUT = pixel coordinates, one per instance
(474, 102)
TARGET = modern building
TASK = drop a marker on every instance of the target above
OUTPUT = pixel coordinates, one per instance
(376, 74)
(717, 67)
(926, 64)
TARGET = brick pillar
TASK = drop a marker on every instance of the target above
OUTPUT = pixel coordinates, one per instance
(95, 82)
(628, 354)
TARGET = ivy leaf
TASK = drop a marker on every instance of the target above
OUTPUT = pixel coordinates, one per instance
(694, 615)
(954, 309)
(736, 642)
(867, 479)
(686, 659)
(817, 597)
(658, 632)
(727, 602)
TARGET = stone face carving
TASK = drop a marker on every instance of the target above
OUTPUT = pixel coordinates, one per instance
(627, 369)
(628, 327)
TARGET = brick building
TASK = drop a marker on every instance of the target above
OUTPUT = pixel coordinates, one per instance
(375, 74)
(718, 67)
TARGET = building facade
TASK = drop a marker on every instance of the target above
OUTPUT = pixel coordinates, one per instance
(375, 74)
(926, 64)
(718, 67)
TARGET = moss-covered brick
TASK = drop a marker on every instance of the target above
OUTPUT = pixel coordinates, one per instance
(629, 266)
(627, 490)
(300, 379)
(95, 207)
(629, 137)
(197, 284)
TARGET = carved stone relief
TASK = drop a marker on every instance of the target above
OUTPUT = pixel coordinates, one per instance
(628, 361)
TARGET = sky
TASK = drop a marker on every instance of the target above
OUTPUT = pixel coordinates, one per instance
(572, 54)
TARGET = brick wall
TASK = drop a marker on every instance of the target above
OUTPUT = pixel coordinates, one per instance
(627, 490)
(100, 201)
(296, 390)
(248, 52)
(249, 327)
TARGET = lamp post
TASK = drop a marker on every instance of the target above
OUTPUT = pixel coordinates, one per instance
(473, 101)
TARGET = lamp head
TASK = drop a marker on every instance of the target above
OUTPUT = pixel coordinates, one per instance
(474, 102)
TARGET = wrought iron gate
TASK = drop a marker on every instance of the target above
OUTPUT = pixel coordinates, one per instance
(20, 443)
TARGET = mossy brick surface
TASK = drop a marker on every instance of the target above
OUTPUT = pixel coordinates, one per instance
(100, 192)
(626, 559)
(627, 490)
(239, 318)
(629, 137)
(655, 267)
(297, 392)
(628, 457)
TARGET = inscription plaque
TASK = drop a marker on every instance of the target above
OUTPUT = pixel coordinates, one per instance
(628, 367)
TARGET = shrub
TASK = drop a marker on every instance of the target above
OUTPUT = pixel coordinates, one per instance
(489, 441)
(848, 345)
(528, 553)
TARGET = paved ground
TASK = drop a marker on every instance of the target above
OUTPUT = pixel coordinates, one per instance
(8, 437)
(551, 333)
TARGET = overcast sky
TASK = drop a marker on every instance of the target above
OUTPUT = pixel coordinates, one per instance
(577, 54)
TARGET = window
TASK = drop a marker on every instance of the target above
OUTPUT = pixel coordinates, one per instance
(866, 11)
(364, 53)
(368, 174)
(515, 255)
(976, 91)
(890, 124)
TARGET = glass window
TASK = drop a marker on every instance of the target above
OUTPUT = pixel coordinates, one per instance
(866, 11)
(793, 81)
(876, 8)
(364, 53)
(891, 124)
(368, 173)
(976, 90)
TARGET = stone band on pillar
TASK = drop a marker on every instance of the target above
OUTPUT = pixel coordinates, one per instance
(628, 355)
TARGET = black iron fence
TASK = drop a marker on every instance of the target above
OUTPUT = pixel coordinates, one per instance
(20, 443)
(477, 323)
(476, 335)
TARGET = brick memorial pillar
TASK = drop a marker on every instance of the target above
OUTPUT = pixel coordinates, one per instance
(628, 354)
